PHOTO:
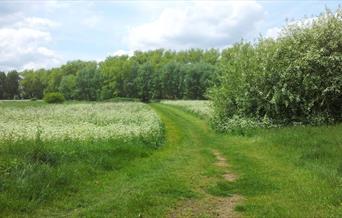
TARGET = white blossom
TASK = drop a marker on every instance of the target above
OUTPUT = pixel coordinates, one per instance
(79, 121)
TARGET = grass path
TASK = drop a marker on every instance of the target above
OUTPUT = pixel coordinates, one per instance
(181, 173)
(198, 173)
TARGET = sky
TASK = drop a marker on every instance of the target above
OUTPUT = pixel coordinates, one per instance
(44, 34)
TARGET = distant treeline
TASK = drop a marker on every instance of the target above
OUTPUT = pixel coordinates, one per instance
(157, 74)
(296, 77)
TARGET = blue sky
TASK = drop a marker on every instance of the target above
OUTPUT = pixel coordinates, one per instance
(35, 34)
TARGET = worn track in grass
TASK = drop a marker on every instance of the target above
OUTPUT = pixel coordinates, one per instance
(208, 205)
(179, 179)
(283, 172)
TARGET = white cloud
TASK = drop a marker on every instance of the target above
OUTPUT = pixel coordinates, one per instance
(36, 22)
(199, 24)
(25, 40)
(23, 47)
(273, 32)
(24, 44)
(276, 32)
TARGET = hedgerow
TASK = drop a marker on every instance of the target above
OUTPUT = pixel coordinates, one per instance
(295, 78)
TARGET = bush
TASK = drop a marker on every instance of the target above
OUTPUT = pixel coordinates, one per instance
(54, 97)
(295, 78)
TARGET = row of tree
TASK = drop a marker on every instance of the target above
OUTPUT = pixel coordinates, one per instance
(294, 78)
(146, 75)
(9, 85)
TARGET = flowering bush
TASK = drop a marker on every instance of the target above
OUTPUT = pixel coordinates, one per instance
(293, 79)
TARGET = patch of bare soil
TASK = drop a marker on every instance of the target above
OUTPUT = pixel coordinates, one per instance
(226, 206)
(211, 206)
(222, 207)
(222, 162)
(230, 177)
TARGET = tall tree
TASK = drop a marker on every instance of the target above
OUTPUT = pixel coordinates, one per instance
(33, 84)
(144, 81)
(197, 80)
(2, 85)
(115, 71)
(67, 86)
(172, 80)
(12, 85)
(88, 83)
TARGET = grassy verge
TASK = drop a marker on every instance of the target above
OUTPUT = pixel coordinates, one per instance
(289, 172)
(34, 173)
(200, 108)
(285, 172)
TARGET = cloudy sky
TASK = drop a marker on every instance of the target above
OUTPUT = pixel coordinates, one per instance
(36, 34)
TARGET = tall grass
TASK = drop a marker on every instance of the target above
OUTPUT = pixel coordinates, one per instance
(201, 108)
(34, 172)
(37, 170)
(290, 171)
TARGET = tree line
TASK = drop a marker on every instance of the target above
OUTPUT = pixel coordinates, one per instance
(9, 85)
(296, 77)
(157, 74)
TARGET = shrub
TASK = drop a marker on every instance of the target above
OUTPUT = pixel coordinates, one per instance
(295, 78)
(54, 97)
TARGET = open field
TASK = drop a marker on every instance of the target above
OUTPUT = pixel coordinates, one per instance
(195, 172)
(49, 151)
(201, 108)
(182, 109)
(77, 121)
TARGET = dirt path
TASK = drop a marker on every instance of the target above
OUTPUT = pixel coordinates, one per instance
(209, 205)
(222, 162)
(226, 205)
(186, 177)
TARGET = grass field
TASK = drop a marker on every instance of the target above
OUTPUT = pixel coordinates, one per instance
(281, 172)
(49, 151)
(198, 107)
(78, 121)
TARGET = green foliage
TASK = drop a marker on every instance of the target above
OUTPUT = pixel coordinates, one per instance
(54, 97)
(33, 173)
(2, 85)
(293, 79)
(144, 82)
(67, 86)
(172, 80)
(148, 75)
(11, 85)
(88, 83)
(158, 74)
(33, 84)
(197, 80)
(54, 79)
(115, 72)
